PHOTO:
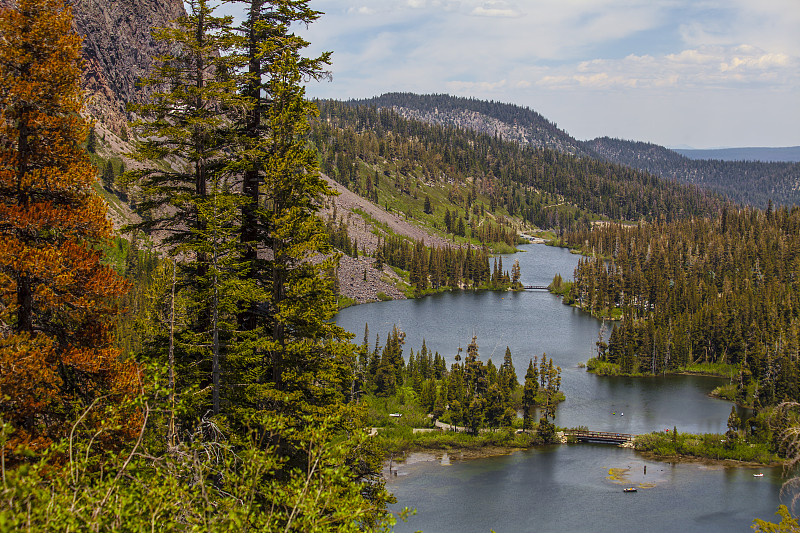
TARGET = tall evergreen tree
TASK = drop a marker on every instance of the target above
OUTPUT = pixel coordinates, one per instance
(57, 298)
(269, 51)
(529, 392)
(187, 121)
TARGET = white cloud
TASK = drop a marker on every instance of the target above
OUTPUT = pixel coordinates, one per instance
(571, 56)
(362, 10)
(755, 61)
(495, 9)
(707, 67)
(692, 57)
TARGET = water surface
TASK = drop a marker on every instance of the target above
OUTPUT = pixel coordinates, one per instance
(531, 323)
(565, 488)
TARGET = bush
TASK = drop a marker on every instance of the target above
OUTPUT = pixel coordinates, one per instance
(78, 488)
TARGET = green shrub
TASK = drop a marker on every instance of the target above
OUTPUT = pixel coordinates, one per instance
(709, 446)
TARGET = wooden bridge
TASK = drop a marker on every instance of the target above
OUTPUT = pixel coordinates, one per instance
(605, 437)
(535, 288)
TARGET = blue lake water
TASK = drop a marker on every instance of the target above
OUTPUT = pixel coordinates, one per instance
(563, 488)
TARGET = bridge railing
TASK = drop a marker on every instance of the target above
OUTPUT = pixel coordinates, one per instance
(606, 435)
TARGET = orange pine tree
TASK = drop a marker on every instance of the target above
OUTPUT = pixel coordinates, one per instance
(57, 298)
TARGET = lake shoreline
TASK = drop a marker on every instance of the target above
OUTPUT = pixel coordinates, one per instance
(440, 457)
(483, 452)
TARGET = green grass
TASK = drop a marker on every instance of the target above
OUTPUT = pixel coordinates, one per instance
(404, 402)
(603, 368)
(548, 235)
(404, 439)
(541, 397)
(501, 248)
(343, 301)
(708, 446)
(725, 392)
(403, 284)
(713, 369)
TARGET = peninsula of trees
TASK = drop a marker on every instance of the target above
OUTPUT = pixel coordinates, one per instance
(723, 291)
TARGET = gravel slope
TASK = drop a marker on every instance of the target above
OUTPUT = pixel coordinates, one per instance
(351, 272)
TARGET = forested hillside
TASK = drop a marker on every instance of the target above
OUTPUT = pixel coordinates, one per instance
(746, 182)
(360, 145)
(508, 121)
(720, 291)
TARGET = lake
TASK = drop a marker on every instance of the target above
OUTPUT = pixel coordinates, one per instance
(506, 493)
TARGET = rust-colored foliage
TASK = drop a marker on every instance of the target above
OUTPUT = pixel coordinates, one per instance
(56, 297)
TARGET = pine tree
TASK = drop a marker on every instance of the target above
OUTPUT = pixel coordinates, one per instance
(108, 175)
(91, 141)
(516, 274)
(274, 66)
(187, 120)
(57, 298)
(508, 374)
(529, 392)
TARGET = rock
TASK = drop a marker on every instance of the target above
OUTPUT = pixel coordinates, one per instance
(118, 50)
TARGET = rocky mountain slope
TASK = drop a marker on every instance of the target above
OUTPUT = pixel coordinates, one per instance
(508, 121)
(118, 50)
(366, 221)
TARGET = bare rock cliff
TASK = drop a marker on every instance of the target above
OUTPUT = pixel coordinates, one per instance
(119, 50)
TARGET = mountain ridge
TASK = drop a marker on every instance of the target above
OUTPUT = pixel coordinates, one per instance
(509, 121)
(747, 182)
(763, 154)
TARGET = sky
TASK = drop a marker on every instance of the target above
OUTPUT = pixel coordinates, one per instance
(679, 73)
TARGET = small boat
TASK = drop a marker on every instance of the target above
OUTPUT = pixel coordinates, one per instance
(629, 489)
(758, 475)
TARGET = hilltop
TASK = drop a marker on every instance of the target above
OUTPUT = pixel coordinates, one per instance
(748, 182)
(507, 121)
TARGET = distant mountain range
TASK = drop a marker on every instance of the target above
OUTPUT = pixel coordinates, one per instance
(736, 173)
(746, 182)
(790, 154)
